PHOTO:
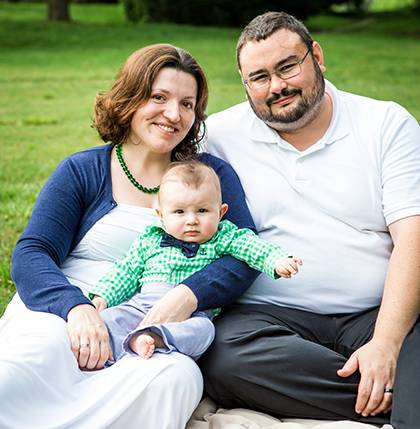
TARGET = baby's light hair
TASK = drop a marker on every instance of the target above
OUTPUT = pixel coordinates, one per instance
(191, 173)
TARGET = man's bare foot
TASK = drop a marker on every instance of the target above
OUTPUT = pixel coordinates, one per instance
(144, 344)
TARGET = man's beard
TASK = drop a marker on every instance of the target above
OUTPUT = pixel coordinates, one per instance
(304, 113)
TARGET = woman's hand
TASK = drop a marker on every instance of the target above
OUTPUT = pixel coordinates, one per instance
(88, 336)
(176, 306)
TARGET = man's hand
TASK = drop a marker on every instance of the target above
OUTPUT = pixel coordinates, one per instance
(99, 303)
(377, 359)
(88, 336)
(288, 267)
(376, 363)
(176, 306)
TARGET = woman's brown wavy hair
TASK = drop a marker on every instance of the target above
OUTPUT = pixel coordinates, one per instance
(115, 108)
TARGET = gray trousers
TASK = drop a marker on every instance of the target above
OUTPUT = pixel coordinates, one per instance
(283, 362)
(191, 337)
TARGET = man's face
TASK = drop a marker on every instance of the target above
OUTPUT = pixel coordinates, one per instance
(285, 105)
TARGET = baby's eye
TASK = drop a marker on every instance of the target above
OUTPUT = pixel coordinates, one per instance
(179, 211)
(202, 210)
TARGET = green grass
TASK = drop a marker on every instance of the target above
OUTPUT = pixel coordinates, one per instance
(51, 72)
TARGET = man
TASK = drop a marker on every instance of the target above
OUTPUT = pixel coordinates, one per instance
(335, 177)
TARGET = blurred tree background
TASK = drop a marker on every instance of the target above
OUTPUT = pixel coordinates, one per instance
(224, 12)
(235, 13)
(227, 12)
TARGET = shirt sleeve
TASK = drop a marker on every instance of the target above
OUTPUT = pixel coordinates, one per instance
(46, 242)
(122, 281)
(224, 280)
(245, 245)
(400, 165)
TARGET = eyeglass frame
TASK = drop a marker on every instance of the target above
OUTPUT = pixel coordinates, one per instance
(270, 74)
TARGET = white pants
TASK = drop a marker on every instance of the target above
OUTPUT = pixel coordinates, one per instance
(41, 386)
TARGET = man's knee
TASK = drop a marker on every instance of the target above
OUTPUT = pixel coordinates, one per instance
(220, 372)
(218, 361)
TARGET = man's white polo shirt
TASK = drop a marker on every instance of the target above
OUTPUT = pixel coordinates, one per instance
(330, 204)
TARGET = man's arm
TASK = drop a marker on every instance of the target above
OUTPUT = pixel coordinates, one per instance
(399, 310)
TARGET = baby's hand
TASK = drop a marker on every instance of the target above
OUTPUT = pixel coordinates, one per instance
(99, 303)
(288, 267)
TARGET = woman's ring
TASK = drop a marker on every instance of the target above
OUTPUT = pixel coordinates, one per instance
(388, 390)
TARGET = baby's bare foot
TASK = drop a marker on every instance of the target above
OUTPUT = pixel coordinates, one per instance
(144, 344)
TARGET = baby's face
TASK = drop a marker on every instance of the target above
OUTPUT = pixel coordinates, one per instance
(190, 214)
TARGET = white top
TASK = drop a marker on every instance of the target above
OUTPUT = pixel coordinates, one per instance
(329, 204)
(107, 241)
(40, 383)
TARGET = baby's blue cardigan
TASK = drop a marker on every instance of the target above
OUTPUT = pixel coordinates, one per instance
(78, 194)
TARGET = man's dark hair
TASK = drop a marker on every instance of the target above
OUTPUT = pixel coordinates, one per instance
(263, 26)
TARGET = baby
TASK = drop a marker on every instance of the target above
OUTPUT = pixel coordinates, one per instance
(191, 236)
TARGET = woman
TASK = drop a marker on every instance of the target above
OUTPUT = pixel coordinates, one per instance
(86, 216)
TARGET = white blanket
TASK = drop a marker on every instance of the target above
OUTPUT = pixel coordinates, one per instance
(209, 416)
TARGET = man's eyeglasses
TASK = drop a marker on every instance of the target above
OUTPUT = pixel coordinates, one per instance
(285, 71)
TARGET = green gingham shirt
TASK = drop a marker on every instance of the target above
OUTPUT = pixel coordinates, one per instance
(147, 262)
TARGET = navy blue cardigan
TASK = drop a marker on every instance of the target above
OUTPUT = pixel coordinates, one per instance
(78, 194)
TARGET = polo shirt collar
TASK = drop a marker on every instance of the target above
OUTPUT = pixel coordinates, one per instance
(259, 130)
(338, 129)
(340, 122)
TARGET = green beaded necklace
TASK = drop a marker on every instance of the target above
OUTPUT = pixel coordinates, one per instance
(118, 151)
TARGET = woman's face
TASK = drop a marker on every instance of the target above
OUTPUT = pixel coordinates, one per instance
(165, 119)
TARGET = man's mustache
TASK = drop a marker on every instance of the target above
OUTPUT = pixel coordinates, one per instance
(284, 93)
